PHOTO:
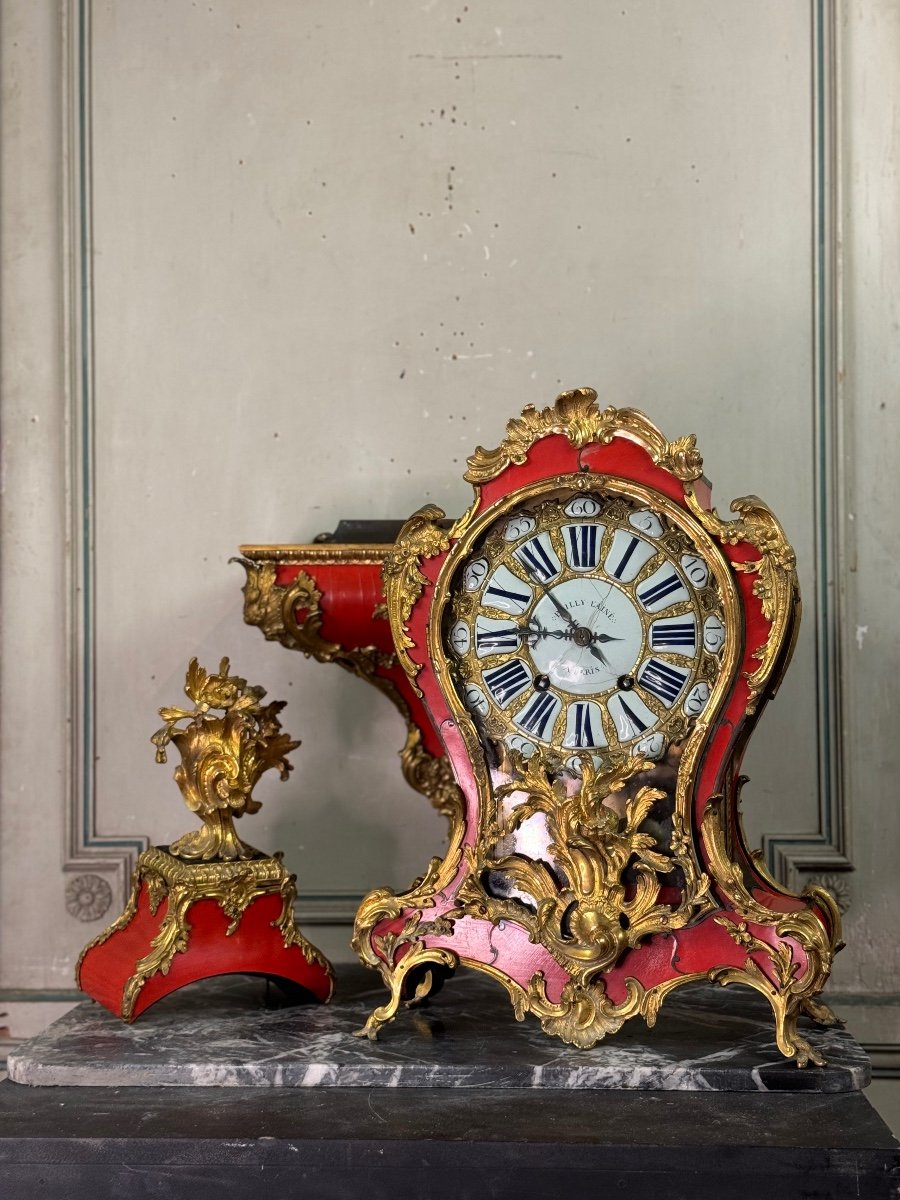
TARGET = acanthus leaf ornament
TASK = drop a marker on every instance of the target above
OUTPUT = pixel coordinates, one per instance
(222, 757)
(576, 416)
(776, 585)
(581, 903)
(430, 775)
(421, 537)
(584, 1015)
(292, 615)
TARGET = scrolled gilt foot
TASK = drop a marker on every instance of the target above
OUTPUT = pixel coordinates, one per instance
(385, 1013)
(790, 1042)
(417, 957)
(374, 1022)
(821, 1013)
(806, 1054)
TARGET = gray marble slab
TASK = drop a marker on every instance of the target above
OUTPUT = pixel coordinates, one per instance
(236, 1032)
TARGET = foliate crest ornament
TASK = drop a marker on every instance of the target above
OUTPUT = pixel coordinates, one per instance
(222, 757)
(576, 416)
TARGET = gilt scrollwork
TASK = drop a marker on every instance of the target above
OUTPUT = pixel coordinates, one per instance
(584, 1013)
(421, 537)
(395, 954)
(576, 415)
(776, 585)
(587, 914)
(292, 615)
(431, 775)
(790, 986)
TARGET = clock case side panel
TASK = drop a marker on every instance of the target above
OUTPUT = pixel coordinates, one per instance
(407, 936)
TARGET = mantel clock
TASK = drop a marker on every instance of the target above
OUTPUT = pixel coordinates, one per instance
(594, 643)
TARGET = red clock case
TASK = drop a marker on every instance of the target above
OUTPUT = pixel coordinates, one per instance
(744, 927)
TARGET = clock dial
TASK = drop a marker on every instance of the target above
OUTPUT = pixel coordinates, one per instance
(584, 634)
(588, 624)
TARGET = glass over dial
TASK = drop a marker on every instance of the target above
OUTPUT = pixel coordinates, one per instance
(587, 624)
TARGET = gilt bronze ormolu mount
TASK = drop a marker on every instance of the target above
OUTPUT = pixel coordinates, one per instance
(209, 904)
(326, 599)
(593, 645)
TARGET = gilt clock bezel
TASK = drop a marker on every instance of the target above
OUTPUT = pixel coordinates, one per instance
(716, 669)
(696, 735)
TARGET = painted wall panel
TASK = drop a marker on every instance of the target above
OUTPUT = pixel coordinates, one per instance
(423, 224)
(320, 252)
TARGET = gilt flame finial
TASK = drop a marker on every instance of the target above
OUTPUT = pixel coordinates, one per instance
(222, 757)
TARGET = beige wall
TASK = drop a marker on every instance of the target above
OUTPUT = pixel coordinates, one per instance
(269, 265)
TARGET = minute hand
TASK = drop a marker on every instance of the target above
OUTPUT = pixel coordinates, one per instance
(566, 616)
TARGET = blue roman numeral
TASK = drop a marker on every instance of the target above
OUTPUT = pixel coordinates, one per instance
(506, 681)
(536, 561)
(619, 570)
(506, 638)
(582, 545)
(673, 633)
(536, 714)
(584, 734)
(665, 587)
(634, 720)
(516, 597)
(663, 680)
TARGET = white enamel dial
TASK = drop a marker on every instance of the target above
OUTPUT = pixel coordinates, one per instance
(589, 624)
(587, 633)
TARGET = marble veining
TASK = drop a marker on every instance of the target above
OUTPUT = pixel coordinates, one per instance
(237, 1032)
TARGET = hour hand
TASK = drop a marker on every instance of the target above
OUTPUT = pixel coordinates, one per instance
(597, 653)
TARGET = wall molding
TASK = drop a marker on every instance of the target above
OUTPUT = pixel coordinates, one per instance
(826, 847)
(86, 848)
(822, 848)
